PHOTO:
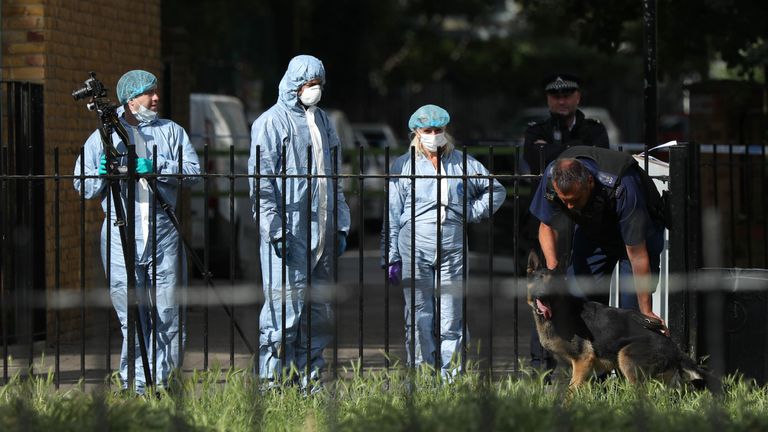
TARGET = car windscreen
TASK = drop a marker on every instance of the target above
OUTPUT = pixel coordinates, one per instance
(375, 139)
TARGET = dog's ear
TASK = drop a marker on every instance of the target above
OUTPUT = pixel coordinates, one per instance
(534, 261)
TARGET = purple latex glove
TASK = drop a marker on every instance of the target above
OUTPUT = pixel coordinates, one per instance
(395, 272)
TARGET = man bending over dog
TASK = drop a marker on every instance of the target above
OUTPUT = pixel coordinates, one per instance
(615, 207)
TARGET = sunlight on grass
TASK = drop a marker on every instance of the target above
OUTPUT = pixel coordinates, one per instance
(396, 400)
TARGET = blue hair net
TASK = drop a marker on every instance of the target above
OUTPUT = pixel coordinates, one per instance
(134, 83)
(429, 116)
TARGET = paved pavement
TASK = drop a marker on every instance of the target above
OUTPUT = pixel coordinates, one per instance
(493, 320)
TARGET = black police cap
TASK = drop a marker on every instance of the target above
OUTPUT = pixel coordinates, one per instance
(561, 83)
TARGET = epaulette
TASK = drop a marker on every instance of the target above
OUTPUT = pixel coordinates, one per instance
(592, 120)
(533, 123)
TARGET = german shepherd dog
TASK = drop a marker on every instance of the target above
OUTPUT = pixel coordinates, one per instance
(593, 337)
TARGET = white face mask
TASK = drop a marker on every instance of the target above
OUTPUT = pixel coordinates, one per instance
(433, 142)
(311, 95)
(144, 114)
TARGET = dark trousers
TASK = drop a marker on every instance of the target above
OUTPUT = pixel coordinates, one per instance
(591, 268)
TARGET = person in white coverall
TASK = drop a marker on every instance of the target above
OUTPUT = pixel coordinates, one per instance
(430, 139)
(297, 123)
(137, 91)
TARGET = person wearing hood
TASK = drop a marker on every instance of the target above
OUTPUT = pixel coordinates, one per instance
(138, 94)
(296, 217)
(434, 154)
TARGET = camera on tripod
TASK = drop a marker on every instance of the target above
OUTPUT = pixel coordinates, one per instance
(101, 105)
(93, 88)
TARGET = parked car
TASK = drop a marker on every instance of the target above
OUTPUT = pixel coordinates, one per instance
(377, 135)
(374, 138)
(219, 121)
(349, 144)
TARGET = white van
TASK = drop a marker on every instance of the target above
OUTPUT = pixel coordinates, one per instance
(372, 137)
(219, 121)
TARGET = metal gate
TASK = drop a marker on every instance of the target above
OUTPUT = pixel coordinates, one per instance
(22, 209)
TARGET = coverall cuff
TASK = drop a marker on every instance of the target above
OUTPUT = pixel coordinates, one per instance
(276, 235)
(162, 166)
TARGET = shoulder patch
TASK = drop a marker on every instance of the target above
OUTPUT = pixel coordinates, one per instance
(606, 179)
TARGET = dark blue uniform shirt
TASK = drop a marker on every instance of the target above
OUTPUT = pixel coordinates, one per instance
(626, 223)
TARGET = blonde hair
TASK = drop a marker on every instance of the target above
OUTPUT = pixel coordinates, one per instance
(447, 149)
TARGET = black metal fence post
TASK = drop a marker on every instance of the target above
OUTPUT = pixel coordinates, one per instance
(413, 258)
(181, 263)
(464, 259)
(57, 266)
(257, 217)
(153, 288)
(490, 263)
(335, 276)
(82, 254)
(694, 239)
(233, 255)
(283, 261)
(360, 257)
(678, 247)
(207, 243)
(436, 318)
(307, 308)
(385, 237)
(4, 256)
(516, 258)
(129, 256)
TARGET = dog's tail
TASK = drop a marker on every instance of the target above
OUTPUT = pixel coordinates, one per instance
(697, 376)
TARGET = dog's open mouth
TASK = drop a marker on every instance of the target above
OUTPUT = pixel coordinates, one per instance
(543, 309)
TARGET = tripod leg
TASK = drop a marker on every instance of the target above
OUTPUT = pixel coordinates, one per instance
(199, 264)
(110, 123)
(143, 346)
(144, 356)
(131, 274)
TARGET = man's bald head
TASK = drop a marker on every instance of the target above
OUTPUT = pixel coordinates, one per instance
(569, 173)
(573, 183)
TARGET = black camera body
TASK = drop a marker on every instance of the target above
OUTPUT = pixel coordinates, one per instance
(107, 112)
(93, 88)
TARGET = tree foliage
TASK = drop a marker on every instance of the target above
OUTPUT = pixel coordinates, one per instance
(690, 33)
(384, 57)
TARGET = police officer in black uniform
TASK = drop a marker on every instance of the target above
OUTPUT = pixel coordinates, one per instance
(565, 127)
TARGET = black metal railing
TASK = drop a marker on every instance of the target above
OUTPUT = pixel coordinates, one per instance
(22, 221)
(368, 325)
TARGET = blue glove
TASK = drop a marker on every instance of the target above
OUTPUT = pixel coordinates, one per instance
(395, 273)
(143, 166)
(342, 242)
(277, 244)
(103, 165)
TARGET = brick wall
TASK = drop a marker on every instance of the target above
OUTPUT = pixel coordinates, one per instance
(56, 43)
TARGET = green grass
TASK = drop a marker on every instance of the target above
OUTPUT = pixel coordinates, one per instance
(383, 401)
